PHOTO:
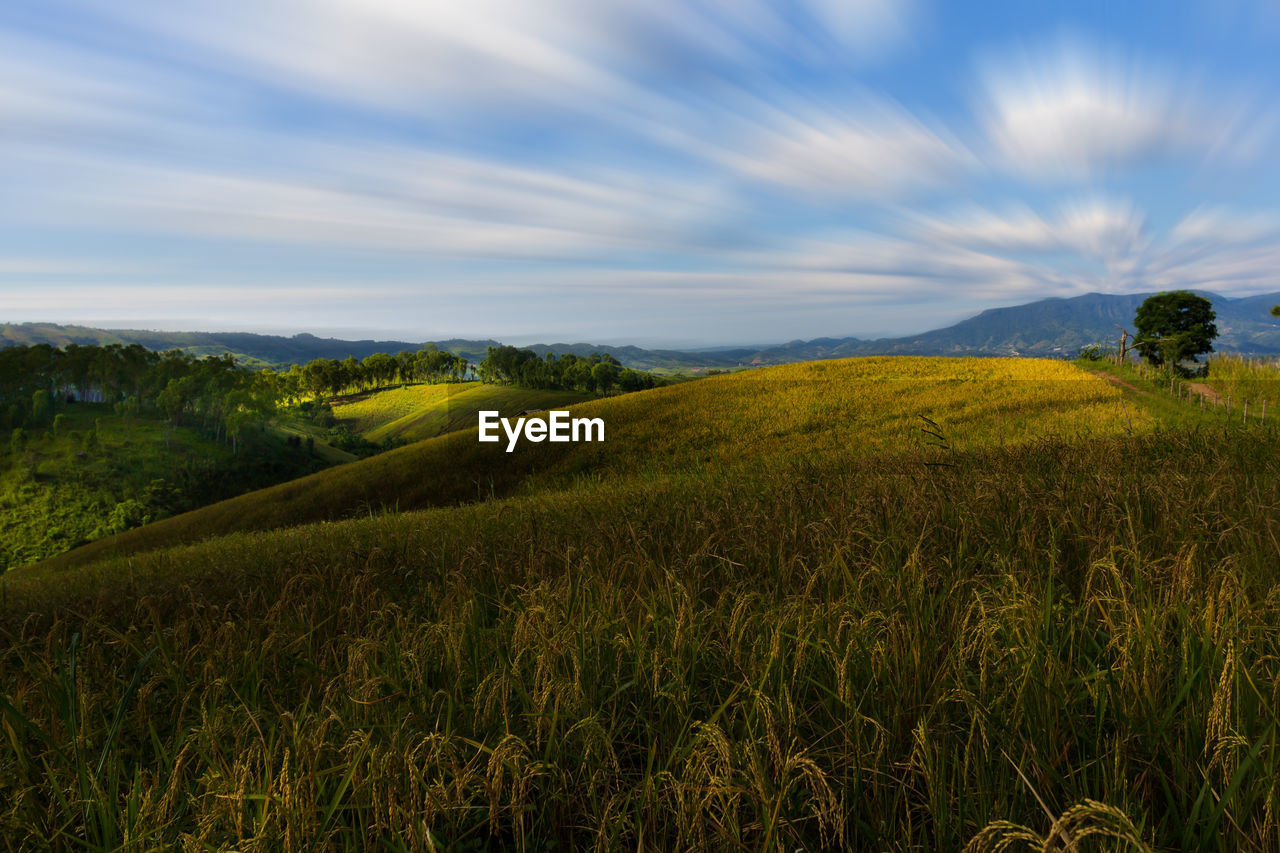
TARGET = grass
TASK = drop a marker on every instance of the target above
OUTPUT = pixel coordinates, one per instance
(103, 472)
(1235, 382)
(1061, 634)
(761, 417)
(1242, 379)
(415, 412)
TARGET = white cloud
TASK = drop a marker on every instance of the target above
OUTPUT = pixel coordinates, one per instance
(1071, 110)
(1224, 226)
(1096, 228)
(872, 149)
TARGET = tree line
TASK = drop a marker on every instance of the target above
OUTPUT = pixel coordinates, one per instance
(329, 377)
(225, 399)
(211, 393)
(598, 373)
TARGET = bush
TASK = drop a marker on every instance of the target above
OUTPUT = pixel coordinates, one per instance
(1092, 352)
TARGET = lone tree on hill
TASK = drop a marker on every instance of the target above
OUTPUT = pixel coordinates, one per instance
(1174, 326)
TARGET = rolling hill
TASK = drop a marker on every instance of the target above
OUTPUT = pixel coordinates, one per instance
(829, 409)
(415, 412)
(1048, 328)
(774, 610)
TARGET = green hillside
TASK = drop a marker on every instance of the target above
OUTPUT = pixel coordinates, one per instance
(415, 412)
(96, 472)
(880, 604)
(769, 416)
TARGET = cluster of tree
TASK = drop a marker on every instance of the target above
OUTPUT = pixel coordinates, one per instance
(211, 393)
(595, 373)
(327, 377)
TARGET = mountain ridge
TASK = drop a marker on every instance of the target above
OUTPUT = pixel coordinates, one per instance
(1050, 327)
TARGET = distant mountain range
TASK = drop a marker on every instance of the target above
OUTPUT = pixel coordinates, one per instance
(1047, 328)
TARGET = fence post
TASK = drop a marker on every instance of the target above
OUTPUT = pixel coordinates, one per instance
(1246, 412)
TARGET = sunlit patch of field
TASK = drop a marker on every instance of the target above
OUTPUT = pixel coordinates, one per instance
(363, 413)
(820, 410)
(460, 410)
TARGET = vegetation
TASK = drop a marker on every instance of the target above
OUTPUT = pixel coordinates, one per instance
(1241, 379)
(415, 412)
(596, 373)
(1028, 616)
(95, 473)
(159, 420)
(1174, 326)
(793, 412)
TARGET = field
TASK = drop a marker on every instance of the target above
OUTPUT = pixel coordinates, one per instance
(415, 412)
(772, 612)
(1244, 379)
(761, 418)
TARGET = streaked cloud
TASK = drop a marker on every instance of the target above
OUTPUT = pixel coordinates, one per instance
(1072, 109)
(570, 162)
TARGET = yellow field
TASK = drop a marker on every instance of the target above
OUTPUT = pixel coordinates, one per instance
(865, 405)
(417, 412)
(365, 412)
(760, 616)
(774, 416)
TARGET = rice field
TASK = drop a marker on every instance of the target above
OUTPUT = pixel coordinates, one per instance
(1055, 627)
(417, 412)
(761, 418)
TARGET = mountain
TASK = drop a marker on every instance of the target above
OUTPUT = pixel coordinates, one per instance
(254, 348)
(1051, 328)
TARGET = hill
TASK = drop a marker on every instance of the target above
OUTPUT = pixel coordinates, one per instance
(773, 614)
(97, 472)
(831, 409)
(280, 351)
(414, 412)
(270, 350)
(1048, 328)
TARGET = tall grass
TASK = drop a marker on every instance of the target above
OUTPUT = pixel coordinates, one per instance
(1048, 644)
(818, 410)
(1251, 379)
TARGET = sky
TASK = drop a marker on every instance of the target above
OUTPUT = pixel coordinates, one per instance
(657, 172)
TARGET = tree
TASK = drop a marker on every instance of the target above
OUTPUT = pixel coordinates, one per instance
(1174, 326)
(1275, 310)
(41, 408)
(604, 375)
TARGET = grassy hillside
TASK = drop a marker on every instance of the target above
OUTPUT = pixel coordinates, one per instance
(415, 412)
(775, 616)
(98, 473)
(764, 417)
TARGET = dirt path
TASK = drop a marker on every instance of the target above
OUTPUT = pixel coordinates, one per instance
(1210, 395)
(1117, 381)
(1205, 391)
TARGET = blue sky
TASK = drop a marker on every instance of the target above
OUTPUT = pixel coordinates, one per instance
(675, 172)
